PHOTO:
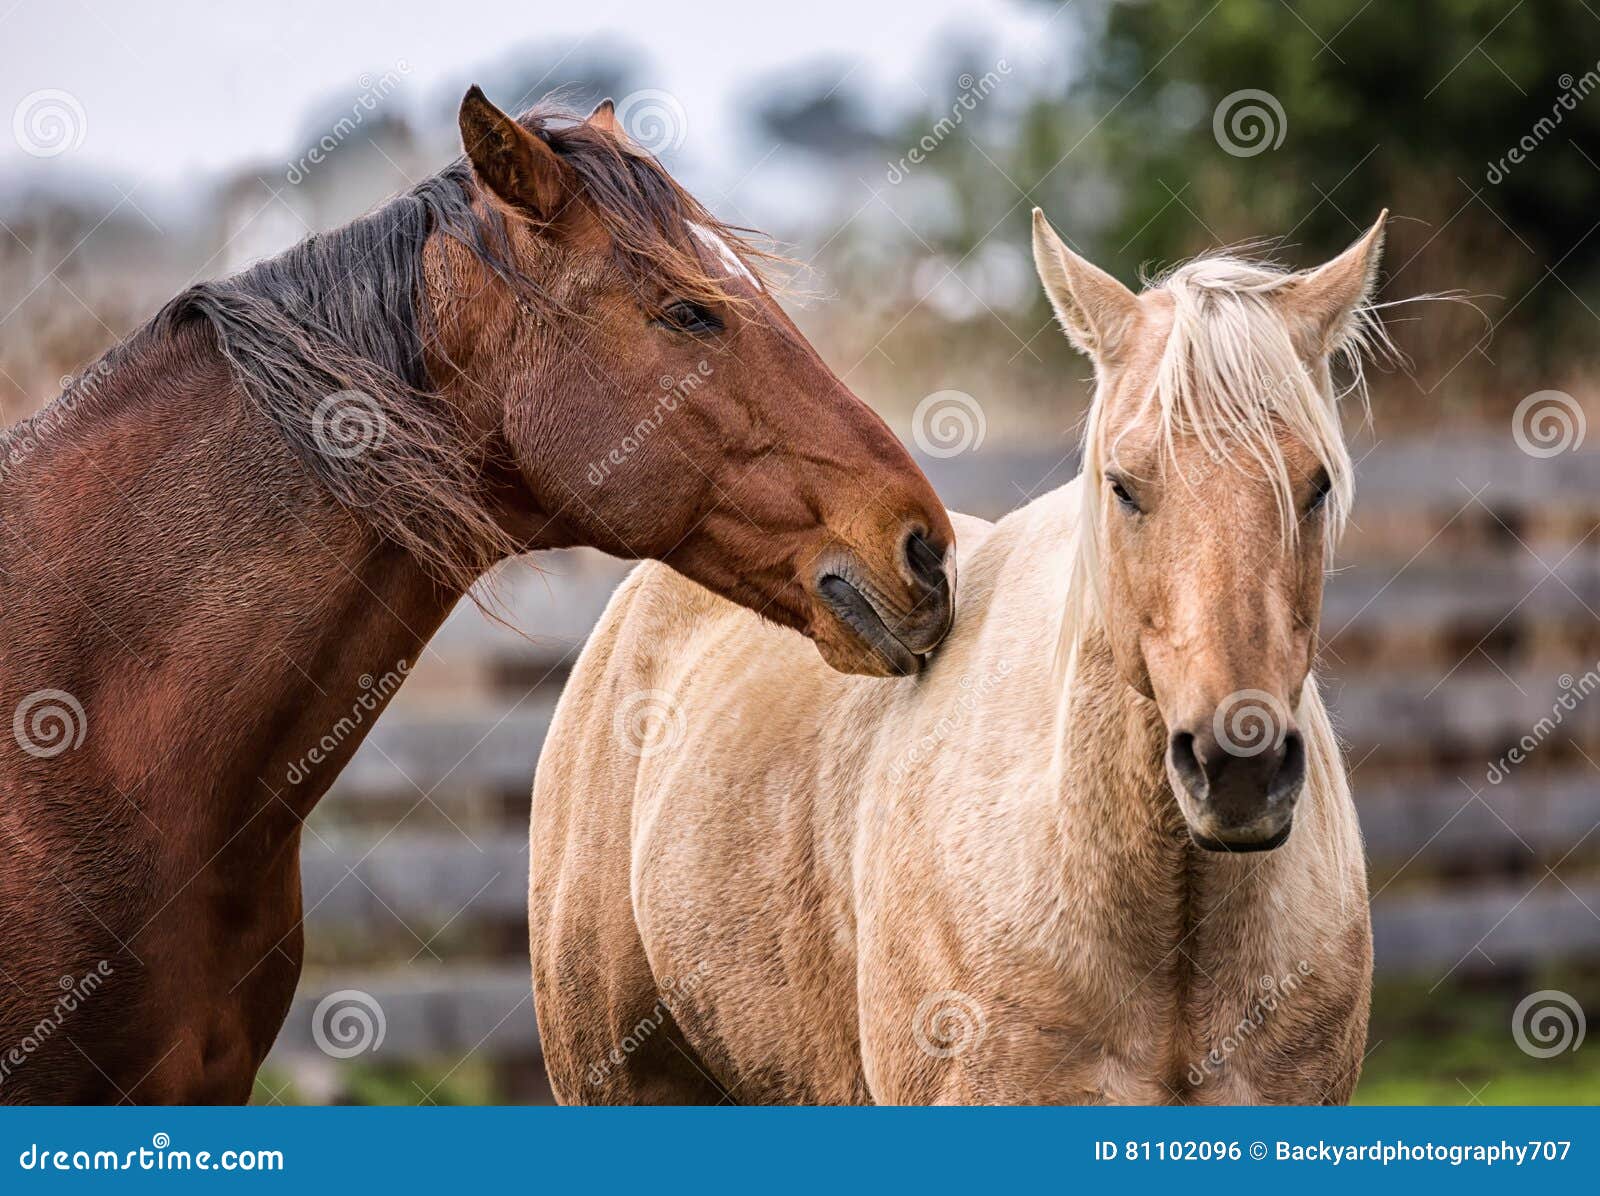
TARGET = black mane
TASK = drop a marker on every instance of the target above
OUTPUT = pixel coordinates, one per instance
(327, 338)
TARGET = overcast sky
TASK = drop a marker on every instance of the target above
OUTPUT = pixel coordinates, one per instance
(170, 88)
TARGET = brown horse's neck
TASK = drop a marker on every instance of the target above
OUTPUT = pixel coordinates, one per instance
(197, 615)
(206, 602)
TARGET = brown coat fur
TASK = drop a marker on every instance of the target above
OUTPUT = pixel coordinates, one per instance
(201, 577)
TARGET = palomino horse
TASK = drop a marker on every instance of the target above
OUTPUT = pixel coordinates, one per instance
(1024, 875)
(277, 489)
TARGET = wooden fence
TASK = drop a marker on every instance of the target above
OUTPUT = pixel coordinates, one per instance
(1466, 602)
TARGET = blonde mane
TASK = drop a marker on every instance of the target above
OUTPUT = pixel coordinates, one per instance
(1230, 377)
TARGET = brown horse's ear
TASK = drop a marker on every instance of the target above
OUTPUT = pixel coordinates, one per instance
(1321, 305)
(516, 166)
(1095, 309)
(604, 116)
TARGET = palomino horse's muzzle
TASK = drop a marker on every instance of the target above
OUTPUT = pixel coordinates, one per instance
(1241, 795)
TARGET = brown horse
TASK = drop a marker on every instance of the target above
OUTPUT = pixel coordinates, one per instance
(277, 489)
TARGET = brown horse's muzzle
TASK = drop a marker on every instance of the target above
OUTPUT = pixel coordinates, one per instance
(891, 623)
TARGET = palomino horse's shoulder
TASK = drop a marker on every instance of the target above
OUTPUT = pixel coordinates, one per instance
(1057, 506)
(656, 610)
(658, 592)
(1016, 563)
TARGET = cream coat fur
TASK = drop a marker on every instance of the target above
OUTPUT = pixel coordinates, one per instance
(756, 879)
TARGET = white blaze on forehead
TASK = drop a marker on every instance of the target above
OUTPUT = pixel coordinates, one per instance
(725, 253)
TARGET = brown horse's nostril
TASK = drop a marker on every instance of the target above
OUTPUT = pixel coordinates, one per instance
(925, 559)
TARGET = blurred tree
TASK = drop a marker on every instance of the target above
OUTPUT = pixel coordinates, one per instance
(1479, 119)
(815, 108)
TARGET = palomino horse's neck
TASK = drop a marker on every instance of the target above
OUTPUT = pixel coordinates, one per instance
(1107, 751)
(1121, 823)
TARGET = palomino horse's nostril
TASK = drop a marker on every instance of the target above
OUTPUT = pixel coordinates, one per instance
(1234, 786)
(925, 560)
(1291, 774)
(1186, 763)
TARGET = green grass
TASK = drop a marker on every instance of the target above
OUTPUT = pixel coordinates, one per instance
(1449, 1046)
(364, 1083)
(1454, 1046)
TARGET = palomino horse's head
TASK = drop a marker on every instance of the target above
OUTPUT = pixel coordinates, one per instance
(655, 401)
(1215, 479)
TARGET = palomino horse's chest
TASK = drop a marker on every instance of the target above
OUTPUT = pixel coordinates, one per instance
(1179, 985)
(1243, 1005)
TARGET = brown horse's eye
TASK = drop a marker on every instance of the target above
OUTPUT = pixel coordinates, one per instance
(689, 317)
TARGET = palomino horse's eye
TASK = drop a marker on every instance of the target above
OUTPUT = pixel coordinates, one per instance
(1320, 489)
(1121, 494)
(689, 317)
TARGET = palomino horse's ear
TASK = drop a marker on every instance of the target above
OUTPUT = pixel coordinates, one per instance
(1095, 309)
(519, 168)
(604, 116)
(1321, 304)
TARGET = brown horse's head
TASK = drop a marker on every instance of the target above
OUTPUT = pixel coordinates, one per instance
(1215, 480)
(653, 400)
